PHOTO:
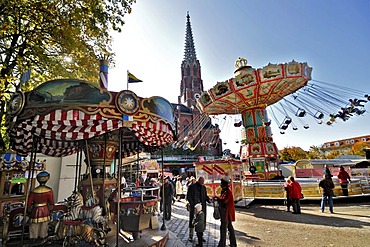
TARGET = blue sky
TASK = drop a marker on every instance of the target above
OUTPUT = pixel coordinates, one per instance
(332, 36)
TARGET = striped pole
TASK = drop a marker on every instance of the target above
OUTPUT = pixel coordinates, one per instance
(103, 74)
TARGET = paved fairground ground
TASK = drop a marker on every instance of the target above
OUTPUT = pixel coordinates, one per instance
(177, 230)
(179, 225)
(259, 224)
(268, 224)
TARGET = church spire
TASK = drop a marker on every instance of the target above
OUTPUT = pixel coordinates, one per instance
(191, 86)
(190, 54)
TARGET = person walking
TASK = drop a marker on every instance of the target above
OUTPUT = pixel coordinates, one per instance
(199, 224)
(227, 212)
(185, 187)
(327, 171)
(172, 181)
(327, 194)
(344, 179)
(123, 181)
(167, 191)
(197, 193)
(295, 193)
(147, 181)
(112, 199)
(179, 191)
(288, 199)
(154, 192)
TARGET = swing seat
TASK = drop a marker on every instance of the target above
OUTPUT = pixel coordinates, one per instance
(287, 120)
(238, 124)
(301, 113)
(283, 126)
(319, 115)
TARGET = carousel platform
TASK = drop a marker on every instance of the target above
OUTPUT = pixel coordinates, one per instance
(146, 238)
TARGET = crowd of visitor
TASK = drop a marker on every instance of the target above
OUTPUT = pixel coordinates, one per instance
(193, 194)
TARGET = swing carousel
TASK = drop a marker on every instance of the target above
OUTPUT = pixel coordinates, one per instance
(287, 92)
(68, 116)
(249, 93)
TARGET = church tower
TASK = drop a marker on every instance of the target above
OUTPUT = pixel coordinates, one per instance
(194, 126)
(191, 82)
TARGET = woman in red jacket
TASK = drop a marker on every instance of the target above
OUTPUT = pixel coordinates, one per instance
(344, 177)
(227, 212)
(295, 193)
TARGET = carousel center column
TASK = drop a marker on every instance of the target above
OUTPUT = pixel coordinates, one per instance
(257, 142)
(100, 154)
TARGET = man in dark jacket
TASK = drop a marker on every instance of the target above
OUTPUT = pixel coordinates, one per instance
(327, 171)
(327, 194)
(197, 193)
(167, 191)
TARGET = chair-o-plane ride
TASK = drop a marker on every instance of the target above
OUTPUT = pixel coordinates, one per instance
(68, 116)
(280, 89)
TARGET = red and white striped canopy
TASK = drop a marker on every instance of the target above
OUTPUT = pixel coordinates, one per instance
(61, 131)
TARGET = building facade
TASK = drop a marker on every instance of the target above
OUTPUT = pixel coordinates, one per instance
(344, 145)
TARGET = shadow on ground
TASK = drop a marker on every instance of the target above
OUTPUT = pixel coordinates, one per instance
(310, 215)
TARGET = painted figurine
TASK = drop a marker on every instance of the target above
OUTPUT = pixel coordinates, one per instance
(40, 203)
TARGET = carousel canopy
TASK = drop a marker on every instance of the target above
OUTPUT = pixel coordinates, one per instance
(254, 87)
(62, 113)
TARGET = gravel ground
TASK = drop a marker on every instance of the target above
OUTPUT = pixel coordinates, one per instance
(262, 225)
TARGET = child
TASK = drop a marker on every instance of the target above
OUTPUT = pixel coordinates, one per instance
(199, 224)
(288, 199)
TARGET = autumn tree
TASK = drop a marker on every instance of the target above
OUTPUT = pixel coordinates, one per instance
(358, 148)
(315, 153)
(292, 154)
(333, 154)
(54, 39)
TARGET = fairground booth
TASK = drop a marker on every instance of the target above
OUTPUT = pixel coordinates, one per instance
(16, 175)
(213, 171)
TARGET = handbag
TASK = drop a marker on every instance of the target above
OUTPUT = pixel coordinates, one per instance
(216, 212)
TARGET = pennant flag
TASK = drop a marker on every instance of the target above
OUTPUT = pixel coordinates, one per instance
(25, 76)
(132, 79)
(127, 118)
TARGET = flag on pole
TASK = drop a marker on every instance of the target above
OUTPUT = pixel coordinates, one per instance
(132, 79)
(127, 118)
(26, 76)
